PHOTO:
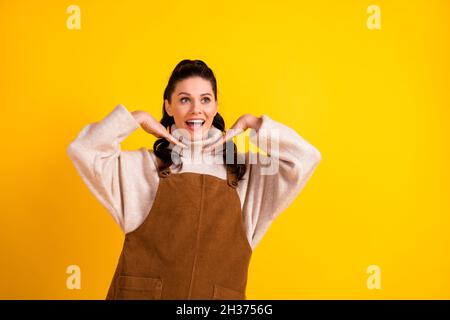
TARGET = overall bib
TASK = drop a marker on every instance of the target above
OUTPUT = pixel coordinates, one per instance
(192, 245)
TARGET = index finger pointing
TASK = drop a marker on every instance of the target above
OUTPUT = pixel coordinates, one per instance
(172, 139)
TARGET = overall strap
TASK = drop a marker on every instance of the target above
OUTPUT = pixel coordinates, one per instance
(231, 178)
(162, 172)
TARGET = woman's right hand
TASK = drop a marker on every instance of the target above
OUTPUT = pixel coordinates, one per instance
(154, 127)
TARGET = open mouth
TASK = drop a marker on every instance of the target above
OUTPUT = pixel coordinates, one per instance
(195, 124)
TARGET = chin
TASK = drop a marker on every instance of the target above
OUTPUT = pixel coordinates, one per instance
(198, 134)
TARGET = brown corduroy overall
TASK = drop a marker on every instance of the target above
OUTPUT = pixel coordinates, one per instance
(192, 245)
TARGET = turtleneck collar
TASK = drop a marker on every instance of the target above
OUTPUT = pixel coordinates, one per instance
(194, 147)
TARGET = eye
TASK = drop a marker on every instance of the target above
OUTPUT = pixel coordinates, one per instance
(183, 99)
(207, 99)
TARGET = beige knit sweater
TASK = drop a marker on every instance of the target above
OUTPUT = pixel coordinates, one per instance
(125, 182)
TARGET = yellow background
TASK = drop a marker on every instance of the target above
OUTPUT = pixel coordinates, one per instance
(374, 102)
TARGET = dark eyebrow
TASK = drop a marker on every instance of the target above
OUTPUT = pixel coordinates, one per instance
(203, 94)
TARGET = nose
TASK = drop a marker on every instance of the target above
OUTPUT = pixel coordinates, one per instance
(197, 107)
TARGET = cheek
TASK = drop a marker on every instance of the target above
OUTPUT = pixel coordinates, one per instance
(179, 113)
(212, 112)
(211, 119)
(179, 118)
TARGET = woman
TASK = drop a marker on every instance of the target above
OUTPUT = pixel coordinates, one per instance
(191, 217)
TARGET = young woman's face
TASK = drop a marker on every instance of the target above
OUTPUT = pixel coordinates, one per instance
(193, 106)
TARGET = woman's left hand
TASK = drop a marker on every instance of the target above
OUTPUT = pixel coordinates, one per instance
(243, 123)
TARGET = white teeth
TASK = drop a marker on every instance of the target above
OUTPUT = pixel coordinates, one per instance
(196, 121)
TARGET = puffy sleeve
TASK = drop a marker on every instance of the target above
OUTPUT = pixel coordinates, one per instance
(274, 180)
(124, 182)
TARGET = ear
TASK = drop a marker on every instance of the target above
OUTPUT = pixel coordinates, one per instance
(167, 107)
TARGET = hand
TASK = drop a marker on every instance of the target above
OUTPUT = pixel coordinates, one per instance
(242, 123)
(154, 127)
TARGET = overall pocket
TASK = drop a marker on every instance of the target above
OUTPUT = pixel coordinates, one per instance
(138, 288)
(223, 293)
